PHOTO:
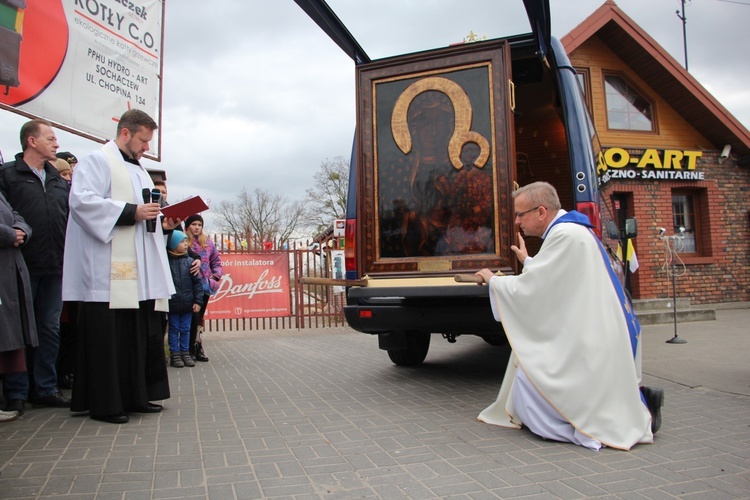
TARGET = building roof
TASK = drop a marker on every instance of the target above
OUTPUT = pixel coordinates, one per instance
(663, 74)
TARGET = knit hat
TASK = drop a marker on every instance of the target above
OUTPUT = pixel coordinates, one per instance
(176, 238)
(192, 219)
(67, 156)
(61, 165)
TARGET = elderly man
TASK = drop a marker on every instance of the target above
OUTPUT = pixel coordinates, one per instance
(116, 265)
(34, 188)
(574, 373)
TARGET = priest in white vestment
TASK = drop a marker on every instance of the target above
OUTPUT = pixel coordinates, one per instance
(117, 267)
(574, 371)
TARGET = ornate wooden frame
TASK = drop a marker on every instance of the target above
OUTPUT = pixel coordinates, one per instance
(461, 91)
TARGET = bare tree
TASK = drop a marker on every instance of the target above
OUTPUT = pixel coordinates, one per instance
(327, 199)
(260, 216)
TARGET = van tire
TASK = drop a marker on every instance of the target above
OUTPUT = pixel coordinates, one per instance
(415, 353)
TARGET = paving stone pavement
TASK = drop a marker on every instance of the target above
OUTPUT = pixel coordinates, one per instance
(324, 414)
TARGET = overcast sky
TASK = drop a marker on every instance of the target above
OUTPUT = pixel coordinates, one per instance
(256, 95)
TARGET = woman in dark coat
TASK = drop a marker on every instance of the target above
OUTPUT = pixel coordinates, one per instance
(17, 326)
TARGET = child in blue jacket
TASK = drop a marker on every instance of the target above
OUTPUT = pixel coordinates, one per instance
(188, 298)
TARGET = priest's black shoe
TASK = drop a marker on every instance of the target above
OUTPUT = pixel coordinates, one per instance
(119, 418)
(200, 356)
(54, 400)
(147, 408)
(654, 401)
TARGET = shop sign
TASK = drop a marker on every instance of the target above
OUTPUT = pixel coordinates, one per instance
(652, 164)
(82, 63)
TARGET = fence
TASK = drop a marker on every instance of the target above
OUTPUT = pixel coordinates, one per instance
(313, 306)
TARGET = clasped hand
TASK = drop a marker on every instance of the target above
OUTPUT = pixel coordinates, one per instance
(20, 237)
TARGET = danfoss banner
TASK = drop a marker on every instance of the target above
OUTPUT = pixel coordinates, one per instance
(81, 63)
(254, 285)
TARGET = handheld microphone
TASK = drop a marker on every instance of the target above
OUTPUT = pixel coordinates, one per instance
(155, 198)
(151, 223)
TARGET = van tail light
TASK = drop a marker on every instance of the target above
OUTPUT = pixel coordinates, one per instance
(591, 210)
(350, 246)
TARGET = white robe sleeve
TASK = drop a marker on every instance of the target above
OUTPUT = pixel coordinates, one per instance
(90, 204)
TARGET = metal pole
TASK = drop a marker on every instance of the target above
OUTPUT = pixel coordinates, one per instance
(684, 32)
(674, 297)
(675, 339)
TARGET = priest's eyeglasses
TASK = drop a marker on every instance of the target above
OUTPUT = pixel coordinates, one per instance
(521, 214)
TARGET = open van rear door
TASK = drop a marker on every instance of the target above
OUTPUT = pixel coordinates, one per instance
(538, 12)
(321, 13)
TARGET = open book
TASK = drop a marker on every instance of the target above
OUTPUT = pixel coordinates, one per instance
(185, 208)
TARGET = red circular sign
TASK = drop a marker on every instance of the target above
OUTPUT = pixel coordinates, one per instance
(44, 43)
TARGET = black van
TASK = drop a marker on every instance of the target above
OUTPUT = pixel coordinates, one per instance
(443, 137)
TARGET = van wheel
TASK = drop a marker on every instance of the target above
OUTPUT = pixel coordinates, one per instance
(414, 354)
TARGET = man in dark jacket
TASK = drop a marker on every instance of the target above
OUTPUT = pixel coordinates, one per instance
(36, 191)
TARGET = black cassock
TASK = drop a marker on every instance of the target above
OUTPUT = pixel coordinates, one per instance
(120, 361)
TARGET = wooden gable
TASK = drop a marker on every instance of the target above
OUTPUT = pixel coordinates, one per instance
(682, 102)
(672, 130)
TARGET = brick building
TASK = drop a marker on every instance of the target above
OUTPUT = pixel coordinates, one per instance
(671, 156)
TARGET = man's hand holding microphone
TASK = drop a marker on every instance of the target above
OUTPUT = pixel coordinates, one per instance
(151, 209)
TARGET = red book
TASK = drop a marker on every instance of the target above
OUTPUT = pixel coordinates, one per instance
(185, 208)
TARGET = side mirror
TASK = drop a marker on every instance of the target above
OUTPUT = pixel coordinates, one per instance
(631, 228)
(612, 231)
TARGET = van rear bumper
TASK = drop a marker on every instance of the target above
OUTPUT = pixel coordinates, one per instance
(434, 309)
